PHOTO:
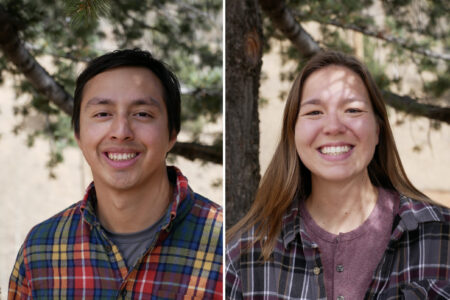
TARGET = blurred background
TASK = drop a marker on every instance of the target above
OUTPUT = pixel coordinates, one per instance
(44, 45)
(405, 45)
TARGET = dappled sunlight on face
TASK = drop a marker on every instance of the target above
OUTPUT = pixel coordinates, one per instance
(336, 131)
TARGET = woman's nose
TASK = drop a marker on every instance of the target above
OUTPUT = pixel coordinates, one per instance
(333, 124)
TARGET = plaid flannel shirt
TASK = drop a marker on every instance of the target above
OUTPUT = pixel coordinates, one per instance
(70, 256)
(415, 265)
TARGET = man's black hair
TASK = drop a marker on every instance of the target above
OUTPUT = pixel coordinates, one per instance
(132, 58)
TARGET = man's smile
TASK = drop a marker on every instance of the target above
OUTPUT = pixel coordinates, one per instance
(121, 156)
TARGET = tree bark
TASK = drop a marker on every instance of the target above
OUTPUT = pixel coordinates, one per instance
(284, 20)
(244, 43)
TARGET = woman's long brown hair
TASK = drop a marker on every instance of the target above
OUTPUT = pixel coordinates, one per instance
(287, 178)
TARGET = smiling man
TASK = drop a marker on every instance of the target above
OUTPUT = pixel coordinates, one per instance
(140, 232)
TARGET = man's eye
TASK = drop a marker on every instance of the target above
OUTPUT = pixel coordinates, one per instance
(101, 115)
(143, 114)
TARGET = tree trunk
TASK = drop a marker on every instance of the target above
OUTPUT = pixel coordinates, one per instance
(244, 43)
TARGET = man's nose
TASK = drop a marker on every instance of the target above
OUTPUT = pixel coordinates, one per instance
(121, 129)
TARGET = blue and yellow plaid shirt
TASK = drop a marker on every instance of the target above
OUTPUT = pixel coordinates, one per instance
(70, 256)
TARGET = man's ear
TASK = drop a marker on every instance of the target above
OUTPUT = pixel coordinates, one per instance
(77, 137)
(172, 140)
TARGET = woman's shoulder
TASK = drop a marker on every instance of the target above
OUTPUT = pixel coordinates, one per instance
(242, 238)
(423, 211)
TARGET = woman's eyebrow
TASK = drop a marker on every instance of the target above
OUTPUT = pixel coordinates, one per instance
(313, 101)
(316, 101)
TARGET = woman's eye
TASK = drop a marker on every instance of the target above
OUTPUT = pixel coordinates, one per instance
(313, 113)
(354, 110)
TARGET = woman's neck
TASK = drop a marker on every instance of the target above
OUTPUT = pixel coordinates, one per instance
(341, 206)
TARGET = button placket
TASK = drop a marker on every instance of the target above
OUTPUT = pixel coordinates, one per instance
(316, 270)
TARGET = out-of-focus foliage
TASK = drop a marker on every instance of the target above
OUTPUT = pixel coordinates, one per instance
(64, 34)
(396, 33)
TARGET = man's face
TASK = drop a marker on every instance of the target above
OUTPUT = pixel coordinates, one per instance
(124, 132)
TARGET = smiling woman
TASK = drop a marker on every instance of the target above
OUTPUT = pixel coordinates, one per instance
(336, 131)
(335, 215)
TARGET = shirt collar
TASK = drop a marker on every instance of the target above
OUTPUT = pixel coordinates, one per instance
(411, 213)
(180, 205)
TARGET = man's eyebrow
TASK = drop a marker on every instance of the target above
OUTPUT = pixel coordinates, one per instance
(147, 101)
(98, 101)
(106, 101)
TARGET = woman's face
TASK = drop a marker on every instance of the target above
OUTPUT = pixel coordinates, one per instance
(336, 131)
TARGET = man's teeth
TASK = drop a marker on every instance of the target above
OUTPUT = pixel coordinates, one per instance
(121, 156)
(335, 150)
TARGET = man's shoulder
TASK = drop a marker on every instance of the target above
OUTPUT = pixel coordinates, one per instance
(60, 224)
(199, 216)
(207, 204)
(203, 208)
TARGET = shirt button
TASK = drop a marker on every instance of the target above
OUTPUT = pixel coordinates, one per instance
(316, 270)
(340, 298)
(108, 248)
(124, 293)
(340, 268)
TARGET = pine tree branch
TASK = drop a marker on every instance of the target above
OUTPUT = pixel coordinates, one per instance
(194, 151)
(415, 108)
(197, 12)
(382, 36)
(15, 51)
(284, 20)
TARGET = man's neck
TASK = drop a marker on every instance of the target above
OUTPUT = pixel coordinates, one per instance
(341, 207)
(133, 210)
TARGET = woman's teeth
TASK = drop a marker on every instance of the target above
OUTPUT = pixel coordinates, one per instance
(334, 150)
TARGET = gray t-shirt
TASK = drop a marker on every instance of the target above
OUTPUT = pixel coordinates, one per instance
(132, 246)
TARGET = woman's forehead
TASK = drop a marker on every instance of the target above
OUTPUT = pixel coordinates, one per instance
(334, 82)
